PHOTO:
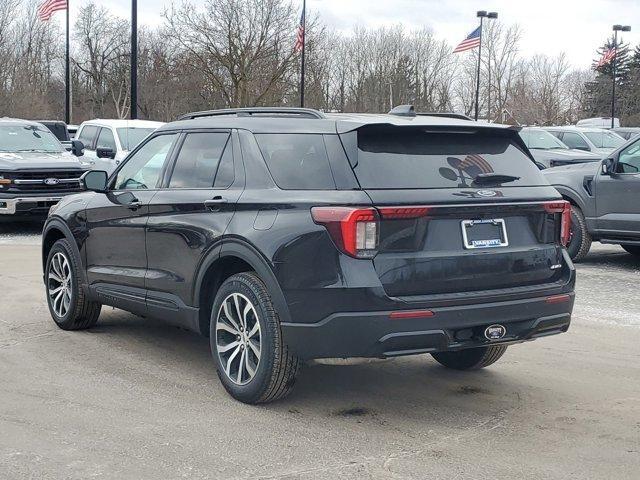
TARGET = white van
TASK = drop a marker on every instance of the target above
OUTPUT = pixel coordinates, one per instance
(598, 122)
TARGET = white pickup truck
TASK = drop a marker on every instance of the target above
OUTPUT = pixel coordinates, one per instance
(107, 142)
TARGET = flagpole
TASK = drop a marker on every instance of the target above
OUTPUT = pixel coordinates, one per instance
(304, 47)
(134, 60)
(67, 79)
(478, 70)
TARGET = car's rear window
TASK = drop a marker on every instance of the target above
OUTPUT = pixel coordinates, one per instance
(297, 161)
(405, 158)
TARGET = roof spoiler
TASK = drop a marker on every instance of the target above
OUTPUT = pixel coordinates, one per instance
(260, 111)
(409, 111)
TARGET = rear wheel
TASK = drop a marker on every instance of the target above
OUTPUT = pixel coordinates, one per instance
(68, 304)
(471, 358)
(580, 239)
(632, 249)
(253, 363)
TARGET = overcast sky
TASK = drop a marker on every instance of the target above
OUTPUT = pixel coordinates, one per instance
(573, 26)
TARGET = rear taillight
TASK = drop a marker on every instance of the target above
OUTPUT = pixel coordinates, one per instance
(564, 209)
(353, 230)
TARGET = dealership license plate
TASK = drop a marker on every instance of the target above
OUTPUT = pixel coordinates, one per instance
(487, 233)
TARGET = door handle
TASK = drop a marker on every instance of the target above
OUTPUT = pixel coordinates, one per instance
(215, 203)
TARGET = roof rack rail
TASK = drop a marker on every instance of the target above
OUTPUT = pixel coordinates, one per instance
(262, 111)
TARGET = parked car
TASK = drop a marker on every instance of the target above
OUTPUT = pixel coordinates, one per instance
(35, 169)
(605, 200)
(549, 151)
(598, 122)
(107, 142)
(289, 234)
(72, 129)
(597, 140)
(627, 132)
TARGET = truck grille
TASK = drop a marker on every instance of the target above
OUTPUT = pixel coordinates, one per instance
(44, 181)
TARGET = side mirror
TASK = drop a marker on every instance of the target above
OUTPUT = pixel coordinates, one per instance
(77, 148)
(94, 180)
(607, 166)
(106, 153)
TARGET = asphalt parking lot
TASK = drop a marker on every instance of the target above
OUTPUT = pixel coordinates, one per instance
(133, 398)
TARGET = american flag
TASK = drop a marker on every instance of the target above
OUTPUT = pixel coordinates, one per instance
(472, 41)
(300, 35)
(607, 56)
(49, 7)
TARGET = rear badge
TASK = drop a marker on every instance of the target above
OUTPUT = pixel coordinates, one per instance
(495, 332)
(486, 193)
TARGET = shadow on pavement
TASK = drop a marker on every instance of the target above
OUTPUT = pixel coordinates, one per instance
(363, 389)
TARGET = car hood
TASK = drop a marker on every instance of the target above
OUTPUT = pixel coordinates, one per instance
(564, 155)
(38, 160)
(589, 168)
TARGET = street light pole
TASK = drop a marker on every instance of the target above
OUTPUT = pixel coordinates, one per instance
(133, 111)
(482, 14)
(614, 64)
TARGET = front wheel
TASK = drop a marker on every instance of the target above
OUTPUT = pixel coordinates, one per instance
(471, 358)
(253, 363)
(580, 238)
(68, 304)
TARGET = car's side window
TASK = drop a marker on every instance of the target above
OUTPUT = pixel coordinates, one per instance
(629, 159)
(142, 170)
(197, 162)
(87, 134)
(573, 140)
(106, 139)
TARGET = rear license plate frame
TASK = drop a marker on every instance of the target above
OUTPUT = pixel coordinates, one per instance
(473, 244)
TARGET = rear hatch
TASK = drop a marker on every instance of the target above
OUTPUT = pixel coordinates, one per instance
(461, 210)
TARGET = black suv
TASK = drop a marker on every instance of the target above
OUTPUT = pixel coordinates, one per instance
(290, 234)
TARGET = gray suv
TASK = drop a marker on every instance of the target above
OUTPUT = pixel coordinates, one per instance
(604, 200)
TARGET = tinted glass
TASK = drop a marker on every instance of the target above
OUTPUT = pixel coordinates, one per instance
(142, 169)
(573, 140)
(225, 175)
(297, 161)
(198, 160)
(28, 138)
(398, 158)
(131, 137)
(539, 139)
(629, 159)
(605, 139)
(87, 134)
(106, 140)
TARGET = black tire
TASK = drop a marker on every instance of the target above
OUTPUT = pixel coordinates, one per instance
(632, 249)
(81, 312)
(276, 369)
(471, 358)
(580, 241)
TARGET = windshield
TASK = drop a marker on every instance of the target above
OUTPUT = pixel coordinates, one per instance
(130, 137)
(605, 139)
(28, 138)
(541, 140)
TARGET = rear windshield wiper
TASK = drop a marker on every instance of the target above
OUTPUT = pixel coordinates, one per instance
(494, 178)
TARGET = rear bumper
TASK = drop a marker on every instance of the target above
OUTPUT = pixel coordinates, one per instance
(376, 334)
(28, 205)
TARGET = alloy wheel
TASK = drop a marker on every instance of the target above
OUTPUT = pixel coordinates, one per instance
(59, 284)
(238, 338)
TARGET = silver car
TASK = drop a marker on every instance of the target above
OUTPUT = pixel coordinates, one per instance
(595, 140)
